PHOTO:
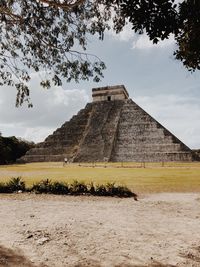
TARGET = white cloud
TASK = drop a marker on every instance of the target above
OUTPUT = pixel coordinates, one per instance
(179, 114)
(37, 134)
(143, 42)
(51, 109)
(139, 41)
(126, 35)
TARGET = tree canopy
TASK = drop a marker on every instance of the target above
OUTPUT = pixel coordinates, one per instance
(12, 148)
(50, 36)
(160, 18)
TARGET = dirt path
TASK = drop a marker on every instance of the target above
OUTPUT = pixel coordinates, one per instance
(58, 231)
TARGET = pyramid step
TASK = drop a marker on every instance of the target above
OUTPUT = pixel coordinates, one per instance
(140, 135)
(153, 157)
(63, 142)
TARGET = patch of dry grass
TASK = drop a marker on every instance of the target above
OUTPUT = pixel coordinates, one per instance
(172, 177)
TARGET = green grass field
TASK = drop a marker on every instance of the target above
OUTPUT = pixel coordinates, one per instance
(172, 177)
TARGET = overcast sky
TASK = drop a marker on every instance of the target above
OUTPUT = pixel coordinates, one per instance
(153, 78)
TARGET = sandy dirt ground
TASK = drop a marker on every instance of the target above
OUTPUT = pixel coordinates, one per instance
(57, 231)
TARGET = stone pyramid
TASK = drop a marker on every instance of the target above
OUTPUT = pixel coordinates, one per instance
(111, 128)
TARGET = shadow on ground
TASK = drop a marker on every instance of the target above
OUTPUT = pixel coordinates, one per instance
(156, 264)
(193, 255)
(14, 258)
(11, 258)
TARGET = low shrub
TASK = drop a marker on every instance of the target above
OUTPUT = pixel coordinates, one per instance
(43, 186)
(123, 191)
(4, 188)
(78, 188)
(110, 189)
(100, 190)
(59, 188)
(91, 188)
(16, 184)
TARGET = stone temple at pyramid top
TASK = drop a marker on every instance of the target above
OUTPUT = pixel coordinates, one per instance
(109, 93)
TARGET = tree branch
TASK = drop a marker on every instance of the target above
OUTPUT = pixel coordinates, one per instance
(12, 17)
(63, 5)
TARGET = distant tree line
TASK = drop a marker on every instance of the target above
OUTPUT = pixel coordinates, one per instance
(12, 148)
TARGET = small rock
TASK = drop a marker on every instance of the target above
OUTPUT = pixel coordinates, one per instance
(29, 236)
(43, 240)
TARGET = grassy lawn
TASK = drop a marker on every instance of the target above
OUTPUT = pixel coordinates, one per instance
(172, 177)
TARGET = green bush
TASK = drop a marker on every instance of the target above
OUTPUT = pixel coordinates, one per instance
(123, 191)
(42, 187)
(91, 189)
(16, 184)
(60, 188)
(110, 189)
(78, 188)
(100, 190)
(4, 188)
(12, 148)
